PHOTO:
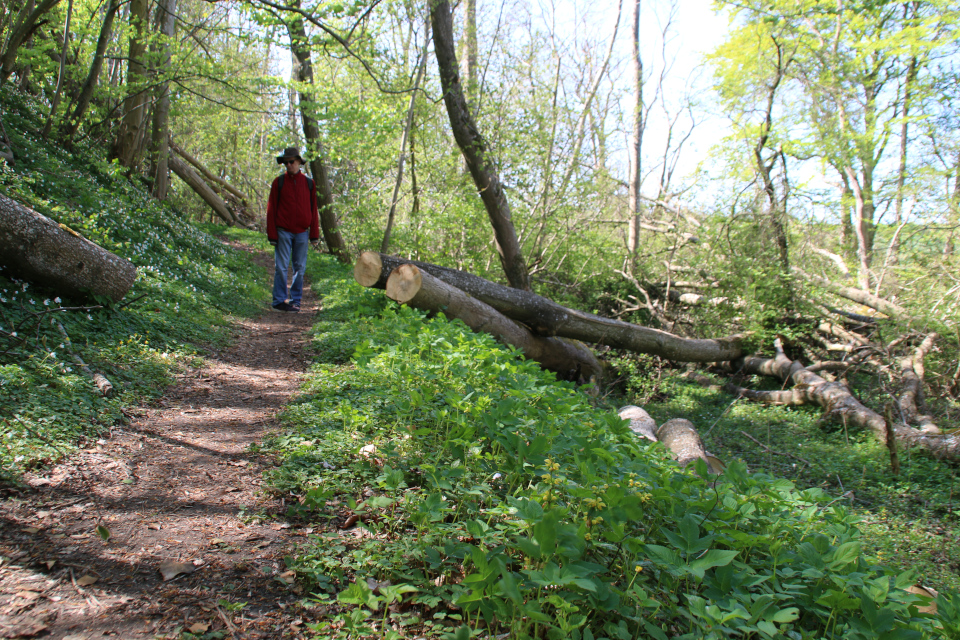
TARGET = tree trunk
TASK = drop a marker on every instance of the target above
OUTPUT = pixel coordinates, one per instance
(23, 27)
(219, 185)
(911, 399)
(90, 84)
(160, 134)
(636, 137)
(473, 146)
(858, 295)
(311, 133)
(836, 400)
(408, 126)
(63, 67)
(570, 360)
(205, 191)
(52, 255)
(126, 146)
(548, 318)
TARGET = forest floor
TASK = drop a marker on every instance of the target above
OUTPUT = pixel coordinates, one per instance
(193, 546)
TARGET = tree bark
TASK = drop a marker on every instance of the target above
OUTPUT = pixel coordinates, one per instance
(571, 360)
(126, 147)
(63, 67)
(636, 137)
(52, 255)
(311, 133)
(546, 317)
(473, 146)
(836, 399)
(90, 84)
(219, 185)
(205, 191)
(858, 295)
(160, 133)
(911, 399)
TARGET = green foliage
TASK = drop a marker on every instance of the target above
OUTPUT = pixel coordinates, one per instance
(500, 499)
(188, 286)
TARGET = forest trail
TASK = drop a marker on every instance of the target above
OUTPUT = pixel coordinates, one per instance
(178, 491)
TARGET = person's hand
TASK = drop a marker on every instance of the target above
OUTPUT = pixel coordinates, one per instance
(315, 244)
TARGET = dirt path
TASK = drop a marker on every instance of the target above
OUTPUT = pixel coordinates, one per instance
(178, 491)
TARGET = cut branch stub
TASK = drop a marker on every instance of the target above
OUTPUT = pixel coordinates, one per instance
(36, 248)
(546, 317)
(572, 360)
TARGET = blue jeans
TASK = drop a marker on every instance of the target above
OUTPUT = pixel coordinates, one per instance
(289, 243)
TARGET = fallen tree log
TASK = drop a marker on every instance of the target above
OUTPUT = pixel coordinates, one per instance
(681, 438)
(546, 317)
(35, 248)
(104, 386)
(421, 290)
(911, 400)
(219, 185)
(834, 397)
(640, 422)
(860, 296)
(202, 189)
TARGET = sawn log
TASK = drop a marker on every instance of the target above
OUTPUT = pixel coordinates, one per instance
(407, 284)
(547, 318)
(37, 249)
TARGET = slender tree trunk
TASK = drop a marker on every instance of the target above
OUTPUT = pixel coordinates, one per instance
(71, 125)
(311, 133)
(421, 66)
(636, 137)
(63, 66)
(160, 134)
(894, 253)
(21, 30)
(471, 80)
(473, 146)
(126, 145)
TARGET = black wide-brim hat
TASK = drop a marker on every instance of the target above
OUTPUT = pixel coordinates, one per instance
(288, 154)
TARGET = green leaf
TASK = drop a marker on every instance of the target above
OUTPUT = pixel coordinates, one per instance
(103, 532)
(786, 615)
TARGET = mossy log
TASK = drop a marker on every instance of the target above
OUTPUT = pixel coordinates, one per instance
(37, 249)
(571, 360)
(547, 318)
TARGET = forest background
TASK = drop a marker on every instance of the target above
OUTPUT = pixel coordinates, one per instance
(824, 212)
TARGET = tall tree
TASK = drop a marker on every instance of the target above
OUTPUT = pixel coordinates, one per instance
(160, 134)
(300, 45)
(126, 146)
(70, 126)
(636, 135)
(475, 150)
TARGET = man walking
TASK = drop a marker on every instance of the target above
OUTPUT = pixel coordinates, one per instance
(292, 223)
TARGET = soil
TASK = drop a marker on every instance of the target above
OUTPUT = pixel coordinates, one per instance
(177, 491)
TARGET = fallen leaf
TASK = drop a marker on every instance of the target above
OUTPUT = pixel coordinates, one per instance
(198, 627)
(217, 541)
(42, 514)
(50, 564)
(30, 530)
(154, 525)
(352, 520)
(287, 577)
(29, 626)
(28, 595)
(103, 532)
(86, 580)
(170, 569)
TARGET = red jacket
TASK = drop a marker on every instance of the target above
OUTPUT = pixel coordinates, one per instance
(294, 208)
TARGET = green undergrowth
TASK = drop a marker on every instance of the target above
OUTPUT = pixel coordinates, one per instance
(188, 286)
(910, 520)
(487, 498)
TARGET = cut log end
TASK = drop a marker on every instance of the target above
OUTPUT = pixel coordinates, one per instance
(640, 422)
(404, 283)
(368, 269)
(681, 438)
